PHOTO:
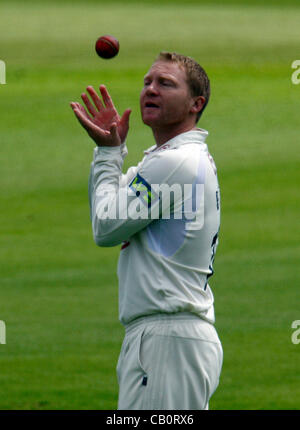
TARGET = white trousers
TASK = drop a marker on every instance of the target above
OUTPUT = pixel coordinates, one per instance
(169, 362)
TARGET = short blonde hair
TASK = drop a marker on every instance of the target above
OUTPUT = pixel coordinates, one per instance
(197, 78)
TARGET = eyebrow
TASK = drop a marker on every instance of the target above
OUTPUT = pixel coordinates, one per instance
(162, 76)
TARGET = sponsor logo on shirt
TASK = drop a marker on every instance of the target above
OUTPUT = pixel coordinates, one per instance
(144, 191)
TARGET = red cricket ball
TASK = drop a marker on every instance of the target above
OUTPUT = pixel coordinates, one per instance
(107, 46)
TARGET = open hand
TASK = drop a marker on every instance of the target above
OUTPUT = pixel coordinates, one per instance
(102, 121)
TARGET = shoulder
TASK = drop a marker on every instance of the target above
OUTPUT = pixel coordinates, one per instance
(172, 164)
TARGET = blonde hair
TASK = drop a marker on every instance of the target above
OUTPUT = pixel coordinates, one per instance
(197, 78)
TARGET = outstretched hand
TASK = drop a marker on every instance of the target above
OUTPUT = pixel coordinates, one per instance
(102, 121)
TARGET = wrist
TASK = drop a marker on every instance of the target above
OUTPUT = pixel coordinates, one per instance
(102, 145)
(107, 150)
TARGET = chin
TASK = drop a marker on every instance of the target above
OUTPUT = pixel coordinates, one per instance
(149, 121)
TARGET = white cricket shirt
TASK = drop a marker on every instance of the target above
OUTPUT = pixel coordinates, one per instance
(168, 240)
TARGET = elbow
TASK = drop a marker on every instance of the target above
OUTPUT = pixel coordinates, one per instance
(104, 242)
(105, 234)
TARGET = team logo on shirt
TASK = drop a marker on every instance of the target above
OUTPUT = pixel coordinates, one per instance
(143, 190)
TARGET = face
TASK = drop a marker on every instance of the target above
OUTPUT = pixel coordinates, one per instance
(165, 99)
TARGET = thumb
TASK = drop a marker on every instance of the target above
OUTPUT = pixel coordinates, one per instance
(113, 130)
(125, 117)
(116, 141)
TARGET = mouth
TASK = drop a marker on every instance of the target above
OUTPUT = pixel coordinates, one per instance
(151, 105)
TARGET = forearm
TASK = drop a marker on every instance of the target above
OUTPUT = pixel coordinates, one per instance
(110, 198)
(106, 170)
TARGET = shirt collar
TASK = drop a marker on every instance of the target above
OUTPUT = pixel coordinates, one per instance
(193, 136)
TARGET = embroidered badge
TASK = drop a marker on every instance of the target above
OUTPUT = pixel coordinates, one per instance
(143, 190)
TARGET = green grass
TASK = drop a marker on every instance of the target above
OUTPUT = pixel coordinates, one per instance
(58, 292)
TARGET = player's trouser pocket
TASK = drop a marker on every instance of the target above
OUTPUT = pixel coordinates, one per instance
(169, 364)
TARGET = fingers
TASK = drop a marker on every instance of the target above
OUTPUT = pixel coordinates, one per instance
(106, 97)
(81, 109)
(107, 100)
(88, 104)
(100, 118)
(95, 98)
(86, 123)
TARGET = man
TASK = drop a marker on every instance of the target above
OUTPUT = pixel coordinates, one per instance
(171, 357)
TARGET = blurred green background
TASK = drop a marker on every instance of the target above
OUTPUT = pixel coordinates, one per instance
(58, 292)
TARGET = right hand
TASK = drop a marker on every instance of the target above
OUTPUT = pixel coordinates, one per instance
(103, 123)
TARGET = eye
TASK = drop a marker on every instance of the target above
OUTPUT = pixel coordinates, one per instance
(166, 83)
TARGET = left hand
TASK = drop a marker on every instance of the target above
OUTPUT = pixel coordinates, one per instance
(103, 123)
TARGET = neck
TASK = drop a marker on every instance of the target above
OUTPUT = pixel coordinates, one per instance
(162, 136)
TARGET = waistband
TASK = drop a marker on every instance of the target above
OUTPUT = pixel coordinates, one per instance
(162, 317)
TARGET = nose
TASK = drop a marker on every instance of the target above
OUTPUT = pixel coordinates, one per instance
(151, 89)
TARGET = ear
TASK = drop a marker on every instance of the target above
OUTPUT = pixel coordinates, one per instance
(198, 103)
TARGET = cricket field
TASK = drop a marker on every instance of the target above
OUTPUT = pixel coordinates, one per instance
(58, 290)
